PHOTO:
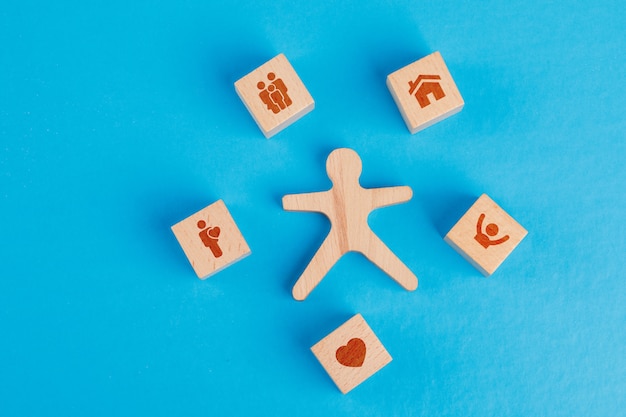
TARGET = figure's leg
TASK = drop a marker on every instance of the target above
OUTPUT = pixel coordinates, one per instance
(377, 252)
(326, 256)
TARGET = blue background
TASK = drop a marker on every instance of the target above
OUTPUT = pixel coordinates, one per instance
(119, 119)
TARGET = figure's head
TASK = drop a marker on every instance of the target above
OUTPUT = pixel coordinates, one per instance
(492, 229)
(271, 76)
(260, 85)
(344, 163)
(201, 224)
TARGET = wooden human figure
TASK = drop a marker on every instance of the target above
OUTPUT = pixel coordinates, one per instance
(347, 205)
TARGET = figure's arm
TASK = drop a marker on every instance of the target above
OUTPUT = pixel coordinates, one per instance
(501, 240)
(479, 225)
(315, 202)
(388, 196)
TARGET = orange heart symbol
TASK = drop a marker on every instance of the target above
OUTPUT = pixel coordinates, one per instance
(352, 354)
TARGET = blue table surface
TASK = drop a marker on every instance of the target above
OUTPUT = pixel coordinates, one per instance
(119, 119)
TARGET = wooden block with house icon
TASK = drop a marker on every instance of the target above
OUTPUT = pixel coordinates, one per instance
(351, 354)
(211, 239)
(274, 95)
(425, 92)
(485, 235)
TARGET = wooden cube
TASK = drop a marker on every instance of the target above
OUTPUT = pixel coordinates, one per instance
(485, 235)
(425, 92)
(211, 239)
(351, 354)
(274, 95)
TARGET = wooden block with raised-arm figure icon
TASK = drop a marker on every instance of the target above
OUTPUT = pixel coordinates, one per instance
(351, 353)
(211, 239)
(485, 235)
(347, 205)
(274, 95)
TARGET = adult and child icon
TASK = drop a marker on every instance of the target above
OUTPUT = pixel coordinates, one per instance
(209, 237)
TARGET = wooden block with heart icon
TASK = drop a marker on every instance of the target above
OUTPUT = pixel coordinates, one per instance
(351, 354)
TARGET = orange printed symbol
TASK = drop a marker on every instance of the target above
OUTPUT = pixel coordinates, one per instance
(275, 94)
(352, 354)
(209, 236)
(491, 230)
(422, 88)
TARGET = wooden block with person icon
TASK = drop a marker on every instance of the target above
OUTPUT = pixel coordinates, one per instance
(274, 95)
(351, 354)
(211, 239)
(485, 235)
(425, 92)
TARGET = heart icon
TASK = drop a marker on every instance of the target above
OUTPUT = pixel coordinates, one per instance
(352, 354)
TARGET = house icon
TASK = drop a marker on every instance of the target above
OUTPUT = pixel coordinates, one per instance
(422, 87)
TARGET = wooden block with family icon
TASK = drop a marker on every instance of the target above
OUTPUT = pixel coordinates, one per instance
(274, 95)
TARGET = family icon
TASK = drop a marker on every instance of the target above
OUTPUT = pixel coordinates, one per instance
(274, 96)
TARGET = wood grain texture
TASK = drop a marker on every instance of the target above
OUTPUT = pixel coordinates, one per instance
(367, 355)
(347, 205)
(485, 235)
(274, 95)
(211, 239)
(425, 92)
